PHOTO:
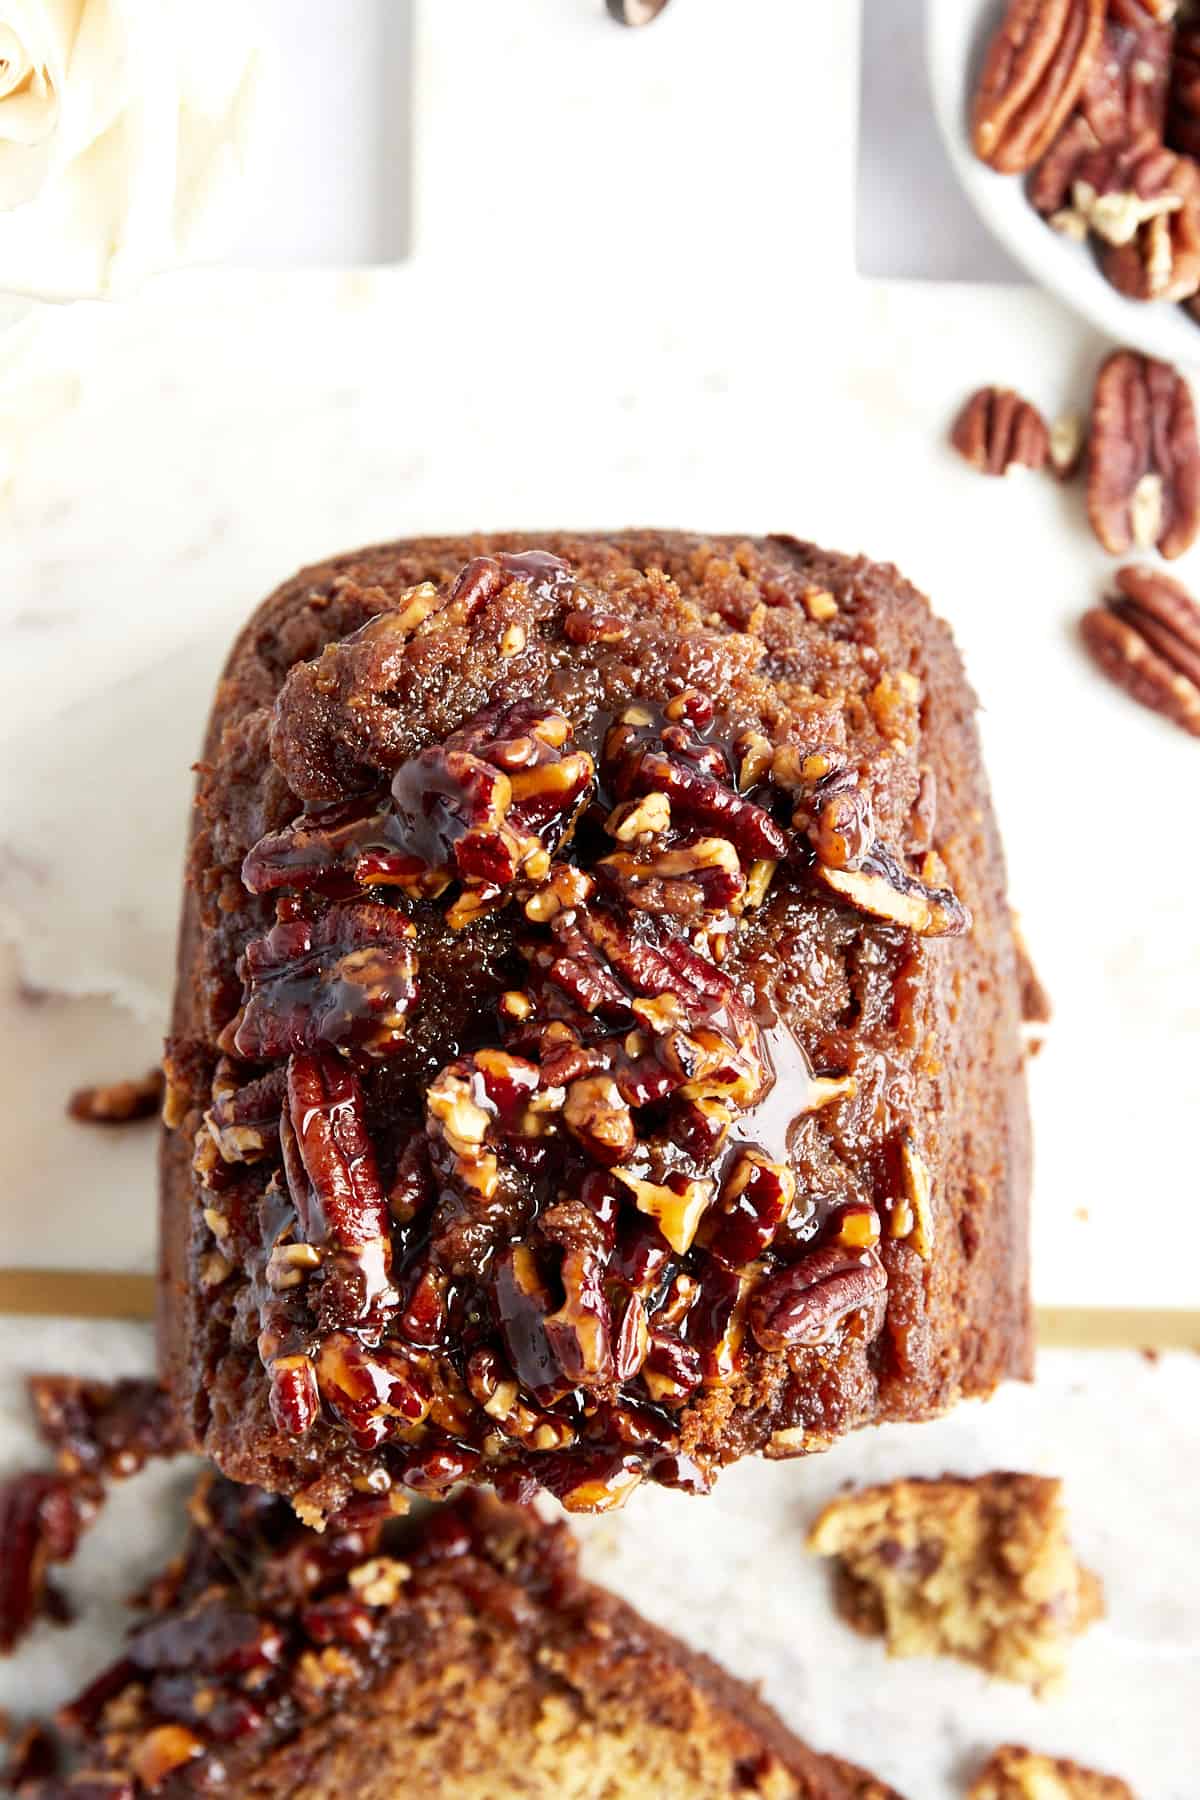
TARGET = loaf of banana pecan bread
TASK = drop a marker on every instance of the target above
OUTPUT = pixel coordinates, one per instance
(459, 1658)
(596, 1054)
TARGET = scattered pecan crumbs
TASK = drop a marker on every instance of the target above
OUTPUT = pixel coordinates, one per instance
(1146, 639)
(118, 1102)
(97, 1431)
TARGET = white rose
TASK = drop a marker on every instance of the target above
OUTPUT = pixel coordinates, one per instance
(124, 127)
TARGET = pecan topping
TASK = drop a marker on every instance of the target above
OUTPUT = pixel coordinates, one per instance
(1032, 76)
(1143, 457)
(694, 776)
(118, 1102)
(997, 430)
(1147, 640)
(531, 1244)
(487, 807)
(349, 978)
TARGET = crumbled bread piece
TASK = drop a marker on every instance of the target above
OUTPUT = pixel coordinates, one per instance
(1014, 1773)
(979, 1569)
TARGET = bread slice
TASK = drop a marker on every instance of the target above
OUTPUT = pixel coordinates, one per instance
(456, 1657)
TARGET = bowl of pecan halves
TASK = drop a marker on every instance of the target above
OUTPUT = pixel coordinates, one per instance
(1074, 126)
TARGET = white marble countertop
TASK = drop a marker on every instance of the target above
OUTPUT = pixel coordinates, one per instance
(656, 322)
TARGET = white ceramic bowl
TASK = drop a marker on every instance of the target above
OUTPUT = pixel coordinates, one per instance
(956, 36)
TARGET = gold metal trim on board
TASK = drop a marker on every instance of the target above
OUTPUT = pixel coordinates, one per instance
(84, 1294)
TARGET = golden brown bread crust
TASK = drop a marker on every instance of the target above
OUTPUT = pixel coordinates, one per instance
(460, 1656)
(934, 1025)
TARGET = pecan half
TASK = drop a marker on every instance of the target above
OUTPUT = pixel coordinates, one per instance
(1051, 182)
(1032, 76)
(1183, 112)
(1143, 457)
(997, 430)
(1125, 94)
(805, 1302)
(1147, 640)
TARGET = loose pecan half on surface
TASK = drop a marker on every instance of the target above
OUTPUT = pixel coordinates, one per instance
(1147, 640)
(998, 430)
(1032, 76)
(1143, 457)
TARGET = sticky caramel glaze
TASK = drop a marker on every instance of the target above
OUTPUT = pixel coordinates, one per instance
(459, 1655)
(924, 1031)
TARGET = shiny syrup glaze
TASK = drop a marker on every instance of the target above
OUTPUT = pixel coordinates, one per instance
(458, 1292)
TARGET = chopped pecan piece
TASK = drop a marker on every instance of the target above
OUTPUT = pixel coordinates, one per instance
(998, 430)
(244, 1119)
(693, 775)
(1067, 442)
(704, 876)
(1118, 189)
(118, 1102)
(912, 1213)
(1032, 76)
(882, 888)
(756, 1197)
(1143, 457)
(676, 1207)
(1147, 640)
